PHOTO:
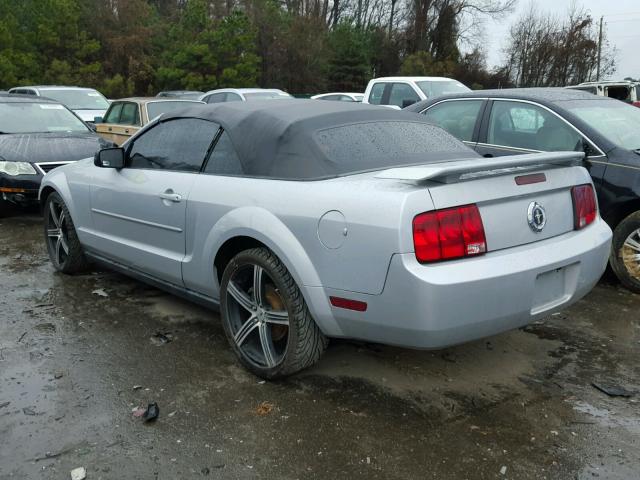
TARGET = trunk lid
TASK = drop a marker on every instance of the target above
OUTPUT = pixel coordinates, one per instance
(505, 206)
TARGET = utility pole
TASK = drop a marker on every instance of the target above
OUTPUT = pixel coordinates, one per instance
(599, 50)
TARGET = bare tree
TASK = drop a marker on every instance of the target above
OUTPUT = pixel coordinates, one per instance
(544, 50)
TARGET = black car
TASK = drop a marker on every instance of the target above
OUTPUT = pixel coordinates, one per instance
(524, 120)
(36, 136)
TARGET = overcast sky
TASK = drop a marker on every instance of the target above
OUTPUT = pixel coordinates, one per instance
(622, 24)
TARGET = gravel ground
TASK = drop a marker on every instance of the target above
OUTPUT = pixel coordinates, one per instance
(78, 354)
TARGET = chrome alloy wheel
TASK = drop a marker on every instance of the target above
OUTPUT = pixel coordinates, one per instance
(631, 253)
(57, 234)
(257, 316)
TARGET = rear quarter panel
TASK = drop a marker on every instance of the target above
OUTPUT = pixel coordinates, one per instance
(286, 216)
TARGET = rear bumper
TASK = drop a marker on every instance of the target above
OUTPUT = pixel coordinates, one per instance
(433, 306)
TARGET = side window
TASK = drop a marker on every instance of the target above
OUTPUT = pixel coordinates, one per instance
(223, 159)
(129, 115)
(329, 97)
(233, 97)
(522, 125)
(216, 98)
(113, 115)
(375, 96)
(456, 117)
(345, 98)
(179, 144)
(402, 95)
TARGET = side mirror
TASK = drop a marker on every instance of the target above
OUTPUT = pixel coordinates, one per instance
(406, 103)
(109, 158)
(586, 147)
(97, 119)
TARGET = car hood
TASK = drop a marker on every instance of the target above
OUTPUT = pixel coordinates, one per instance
(49, 147)
(89, 115)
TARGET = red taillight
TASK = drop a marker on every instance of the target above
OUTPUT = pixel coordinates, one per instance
(584, 206)
(636, 104)
(349, 304)
(449, 233)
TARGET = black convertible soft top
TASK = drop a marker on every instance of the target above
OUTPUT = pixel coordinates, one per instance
(310, 139)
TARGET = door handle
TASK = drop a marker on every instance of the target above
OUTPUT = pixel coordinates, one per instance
(171, 196)
(488, 155)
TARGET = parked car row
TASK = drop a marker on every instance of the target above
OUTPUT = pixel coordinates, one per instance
(263, 210)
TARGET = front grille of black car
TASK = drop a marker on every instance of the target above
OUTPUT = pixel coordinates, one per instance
(47, 167)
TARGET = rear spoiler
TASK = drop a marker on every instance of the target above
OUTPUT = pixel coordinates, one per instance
(468, 168)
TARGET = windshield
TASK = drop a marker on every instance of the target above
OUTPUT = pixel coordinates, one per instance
(618, 122)
(38, 117)
(158, 108)
(78, 99)
(436, 88)
(266, 95)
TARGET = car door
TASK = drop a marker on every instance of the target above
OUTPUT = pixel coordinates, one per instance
(512, 127)
(461, 117)
(120, 122)
(138, 211)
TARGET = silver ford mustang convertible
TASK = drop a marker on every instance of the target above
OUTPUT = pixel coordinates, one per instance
(307, 220)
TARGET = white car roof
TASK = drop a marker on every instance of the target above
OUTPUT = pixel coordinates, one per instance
(336, 93)
(413, 79)
(56, 87)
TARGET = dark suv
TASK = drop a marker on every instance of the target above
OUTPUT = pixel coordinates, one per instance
(524, 120)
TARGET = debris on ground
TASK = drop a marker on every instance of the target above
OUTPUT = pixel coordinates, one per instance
(100, 292)
(160, 338)
(613, 390)
(138, 411)
(264, 408)
(149, 414)
(503, 470)
(79, 473)
(152, 412)
(137, 387)
(58, 375)
(28, 411)
(173, 413)
(4, 404)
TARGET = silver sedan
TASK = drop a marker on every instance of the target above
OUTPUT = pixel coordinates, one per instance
(307, 220)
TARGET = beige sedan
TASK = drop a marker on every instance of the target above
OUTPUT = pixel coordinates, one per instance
(128, 115)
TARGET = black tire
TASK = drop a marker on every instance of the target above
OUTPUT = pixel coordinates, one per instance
(248, 330)
(65, 251)
(626, 238)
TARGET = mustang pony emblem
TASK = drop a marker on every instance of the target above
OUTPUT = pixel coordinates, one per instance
(536, 216)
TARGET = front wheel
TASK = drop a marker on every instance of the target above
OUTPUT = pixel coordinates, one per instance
(60, 235)
(265, 317)
(625, 252)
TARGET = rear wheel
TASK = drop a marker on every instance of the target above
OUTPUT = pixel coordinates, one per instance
(62, 241)
(625, 252)
(265, 318)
